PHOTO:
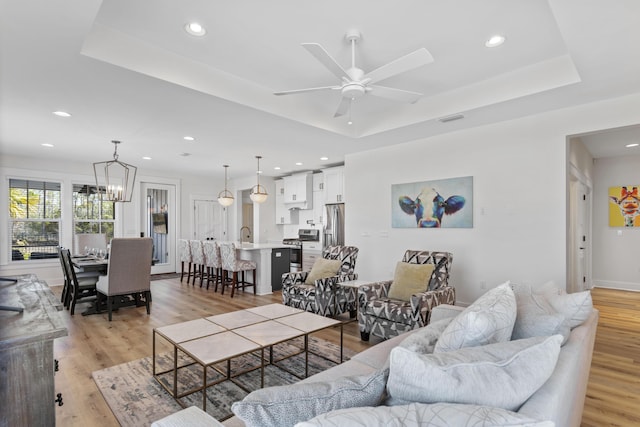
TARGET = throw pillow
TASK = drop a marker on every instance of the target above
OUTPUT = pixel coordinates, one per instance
(287, 405)
(424, 339)
(503, 375)
(434, 415)
(535, 316)
(410, 279)
(322, 269)
(575, 307)
(489, 319)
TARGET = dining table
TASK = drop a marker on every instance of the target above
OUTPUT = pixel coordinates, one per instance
(86, 263)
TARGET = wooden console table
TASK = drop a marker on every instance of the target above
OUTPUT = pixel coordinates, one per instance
(27, 388)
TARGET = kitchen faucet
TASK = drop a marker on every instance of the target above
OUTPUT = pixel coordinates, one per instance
(248, 234)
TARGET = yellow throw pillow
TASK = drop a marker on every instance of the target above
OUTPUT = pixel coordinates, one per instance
(323, 268)
(410, 279)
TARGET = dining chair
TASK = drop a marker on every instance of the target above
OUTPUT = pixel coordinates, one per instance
(232, 264)
(185, 256)
(212, 262)
(128, 277)
(81, 287)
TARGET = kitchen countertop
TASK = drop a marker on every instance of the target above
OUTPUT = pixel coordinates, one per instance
(257, 246)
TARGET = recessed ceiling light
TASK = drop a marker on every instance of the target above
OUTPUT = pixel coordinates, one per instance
(349, 122)
(189, 138)
(298, 163)
(62, 114)
(324, 158)
(635, 144)
(47, 145)
(277, 168)
(146, 158)
(495, 41)
(195, 29)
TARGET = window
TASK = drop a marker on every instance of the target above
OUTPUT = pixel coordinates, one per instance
(90, 214)
(34, 219)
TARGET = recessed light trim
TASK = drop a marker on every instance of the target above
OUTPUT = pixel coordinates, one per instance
(47, 145)
(189, 138)
(195, 29)
(277, 168)
(495, 40)
(298, 163)
(146, 158)
(324, 158)
(62, 114)
(634, 144)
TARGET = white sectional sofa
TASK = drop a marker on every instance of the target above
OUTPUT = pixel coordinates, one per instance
(558, 401)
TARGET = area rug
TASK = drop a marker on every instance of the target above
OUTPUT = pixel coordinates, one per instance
(136, 398)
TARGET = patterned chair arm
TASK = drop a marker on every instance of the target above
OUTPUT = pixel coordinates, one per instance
(422, 303)
(294, 278)
(373, 291)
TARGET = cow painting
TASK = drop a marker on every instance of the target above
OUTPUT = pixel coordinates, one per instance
(629, 205)
(429, 207)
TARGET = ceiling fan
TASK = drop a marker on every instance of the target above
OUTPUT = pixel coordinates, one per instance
(355, 83)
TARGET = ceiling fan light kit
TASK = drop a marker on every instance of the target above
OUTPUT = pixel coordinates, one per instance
(355, 83)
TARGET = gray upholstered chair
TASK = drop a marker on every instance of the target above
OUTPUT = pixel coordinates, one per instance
(128, 279)
(324, 297)
(212, 262)
(386, 317)
(89, 240)
(234, 265)
(184, 250)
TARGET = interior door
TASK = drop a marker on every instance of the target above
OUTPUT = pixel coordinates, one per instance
(208, 220)
(583, 238)
(159, 223)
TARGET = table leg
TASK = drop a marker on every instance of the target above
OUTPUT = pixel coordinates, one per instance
(204, 388)
(154, 353)
(306, 355)
(341, 340)
(262, 367)
(175, 371)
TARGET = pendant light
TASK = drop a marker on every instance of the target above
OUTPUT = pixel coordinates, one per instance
(115, 179)
(225, 198)
(258, 193)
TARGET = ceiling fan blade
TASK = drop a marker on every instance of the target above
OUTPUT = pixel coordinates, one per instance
(311, 89)
(327, 60)
(395, 94)
(405, 63)
(343, 107)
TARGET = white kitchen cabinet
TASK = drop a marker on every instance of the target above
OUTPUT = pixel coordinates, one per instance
(298, 191)
(283, 214)
(334, 185)
(311, 251)
(318, 182)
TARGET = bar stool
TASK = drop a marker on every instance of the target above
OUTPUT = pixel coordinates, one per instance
(231, 263)
(185, 256)
(212, 262)
(197, 257)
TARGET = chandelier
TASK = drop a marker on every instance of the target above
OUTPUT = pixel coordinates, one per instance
(225, 198)
(258, 193)
(115, 179)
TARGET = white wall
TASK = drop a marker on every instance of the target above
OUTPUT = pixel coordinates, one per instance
(519, 170)
(616, 255)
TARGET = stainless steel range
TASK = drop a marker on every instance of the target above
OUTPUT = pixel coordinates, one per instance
(296, 243)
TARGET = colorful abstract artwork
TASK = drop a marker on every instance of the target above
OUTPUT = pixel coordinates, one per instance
(444, 203)
(624, 206)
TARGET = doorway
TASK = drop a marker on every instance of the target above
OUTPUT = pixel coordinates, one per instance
(209, 220)
(159, 223)
(579, 235)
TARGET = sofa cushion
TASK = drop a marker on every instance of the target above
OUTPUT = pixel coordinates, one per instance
(489, 319)
(424, 339)
(286, 405)
(535, 316)
(322, 269)
(410, 279)
(503, 375)
(416, 414)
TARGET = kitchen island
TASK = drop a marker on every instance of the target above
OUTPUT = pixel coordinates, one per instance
(261, 254)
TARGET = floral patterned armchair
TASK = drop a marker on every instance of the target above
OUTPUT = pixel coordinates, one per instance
(386, 317)
(325, 297)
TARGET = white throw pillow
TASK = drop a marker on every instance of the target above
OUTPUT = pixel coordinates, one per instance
(489, 319)
(416, 414)
(287, 405)
(535, 316)
(503, 375)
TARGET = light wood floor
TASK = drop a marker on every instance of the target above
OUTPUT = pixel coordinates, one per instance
(94, 343)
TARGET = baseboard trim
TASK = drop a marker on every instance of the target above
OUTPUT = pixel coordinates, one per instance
(624, 286)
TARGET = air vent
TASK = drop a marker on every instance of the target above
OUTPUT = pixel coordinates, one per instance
(451, 118)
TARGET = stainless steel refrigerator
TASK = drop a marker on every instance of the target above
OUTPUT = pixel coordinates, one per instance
(334, 225)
